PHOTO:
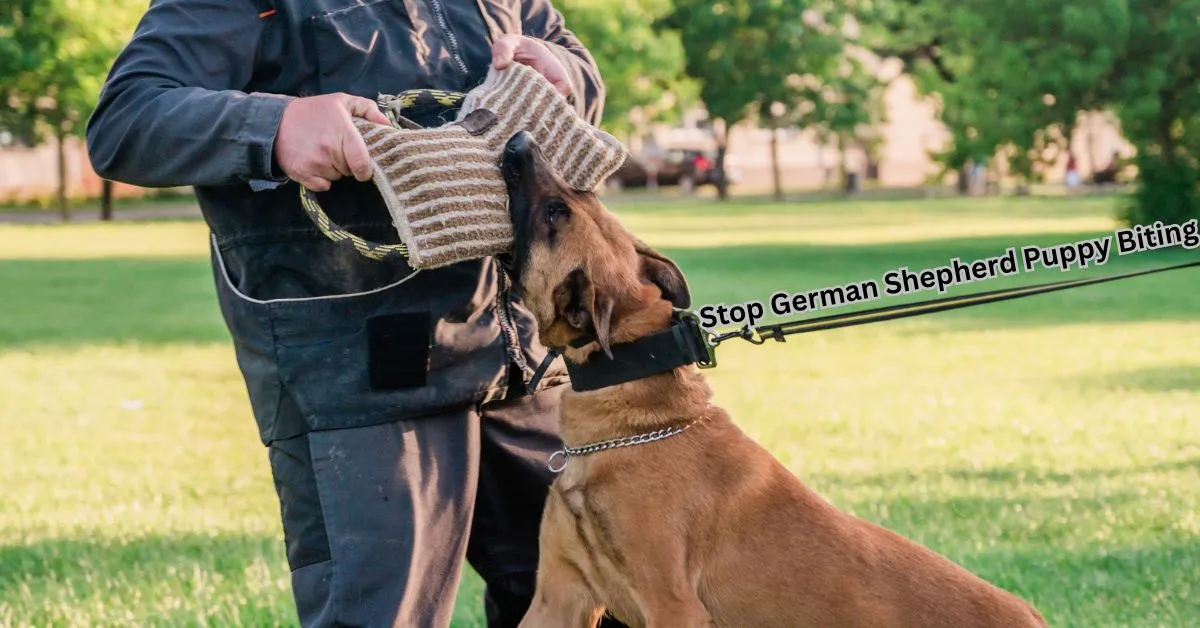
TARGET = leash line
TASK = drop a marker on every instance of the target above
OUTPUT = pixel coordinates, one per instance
(779, 331)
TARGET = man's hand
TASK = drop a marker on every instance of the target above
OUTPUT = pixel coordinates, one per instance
(317, 142)
(535, 54)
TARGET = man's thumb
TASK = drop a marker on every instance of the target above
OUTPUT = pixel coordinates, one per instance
(366, 109)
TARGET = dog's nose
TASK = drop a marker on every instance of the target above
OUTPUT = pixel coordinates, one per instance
(519, 144)
(517, 155)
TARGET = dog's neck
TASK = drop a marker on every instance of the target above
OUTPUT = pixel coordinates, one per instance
(671, 399)
(664, 400)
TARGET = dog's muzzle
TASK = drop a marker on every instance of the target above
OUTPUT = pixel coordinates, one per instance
(516, 165)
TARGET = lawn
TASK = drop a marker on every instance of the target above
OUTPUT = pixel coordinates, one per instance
(1051, 445)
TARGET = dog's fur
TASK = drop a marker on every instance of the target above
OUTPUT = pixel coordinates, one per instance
(705, 528)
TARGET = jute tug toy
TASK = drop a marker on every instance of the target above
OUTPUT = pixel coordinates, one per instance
(443, 186)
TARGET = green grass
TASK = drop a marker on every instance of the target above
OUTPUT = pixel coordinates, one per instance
(1050, 444)
(49, 204)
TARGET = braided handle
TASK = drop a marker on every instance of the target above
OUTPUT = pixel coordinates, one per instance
(336, 233)
(393, 107)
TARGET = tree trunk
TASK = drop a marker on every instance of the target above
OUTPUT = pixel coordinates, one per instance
(841, 147)
(722, 180)
(776, 177)
(106, 200)
(1090, 139)
(63, 209)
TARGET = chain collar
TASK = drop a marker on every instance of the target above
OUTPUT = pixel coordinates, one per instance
(566, 453)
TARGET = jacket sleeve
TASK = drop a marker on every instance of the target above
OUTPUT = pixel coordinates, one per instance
(541, 20)
(172, 111)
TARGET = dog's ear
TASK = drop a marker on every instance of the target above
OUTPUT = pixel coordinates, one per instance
(585, 308)
(659, 270)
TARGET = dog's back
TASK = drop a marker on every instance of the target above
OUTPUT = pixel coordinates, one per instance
(777, 554)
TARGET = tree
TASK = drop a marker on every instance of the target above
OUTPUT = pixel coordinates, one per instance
(642, 67)
(749, 55)
(846, 107)
(54, 55)
(1013, 75)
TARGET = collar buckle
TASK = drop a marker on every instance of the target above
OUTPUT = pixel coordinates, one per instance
(701, 341)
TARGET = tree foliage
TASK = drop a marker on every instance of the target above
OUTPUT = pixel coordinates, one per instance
(751, 57)
(642, 67)
(54, 55)
(1013, 75)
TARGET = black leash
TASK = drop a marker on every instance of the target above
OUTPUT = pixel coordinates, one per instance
(780, 331)
(686, 342)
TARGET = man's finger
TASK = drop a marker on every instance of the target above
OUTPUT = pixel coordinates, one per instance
(561, 83)
(331, 166)
(365, 108)
(503, 50)
(537, 55)
(337, 162)
(358, 160)
(315, 183)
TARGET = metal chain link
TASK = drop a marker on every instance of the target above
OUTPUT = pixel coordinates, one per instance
(625, 441)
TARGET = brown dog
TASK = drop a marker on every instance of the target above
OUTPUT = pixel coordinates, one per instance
(703, 528)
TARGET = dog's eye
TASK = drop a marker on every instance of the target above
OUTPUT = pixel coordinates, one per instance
(557, 210)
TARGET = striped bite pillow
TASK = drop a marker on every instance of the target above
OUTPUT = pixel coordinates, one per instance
(444, 191)
(443, 185)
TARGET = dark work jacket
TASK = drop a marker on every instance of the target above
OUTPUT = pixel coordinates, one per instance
(326, 338)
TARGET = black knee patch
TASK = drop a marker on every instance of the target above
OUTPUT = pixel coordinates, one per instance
(303, 518)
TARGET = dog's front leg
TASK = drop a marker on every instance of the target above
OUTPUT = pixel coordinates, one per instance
(562, 598)
(674, 610)
(663, 588)
(555, 608)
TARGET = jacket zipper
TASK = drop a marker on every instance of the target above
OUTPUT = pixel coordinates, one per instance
(439, 12)
(505, 317)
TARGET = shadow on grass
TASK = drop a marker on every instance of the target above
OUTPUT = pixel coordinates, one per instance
(736, 274)
(218, 579)
(161, 300)
(1145, 585)
(75, 302)
(1157, 379)
(1002, 477)
(1060, 553)
(162, 556)
(850, 208)
(228, 579)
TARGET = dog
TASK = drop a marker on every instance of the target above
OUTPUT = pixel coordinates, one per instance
(703, 527)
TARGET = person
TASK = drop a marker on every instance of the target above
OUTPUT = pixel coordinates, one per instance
(392, 403)
(1072, 178)
(1109, 173)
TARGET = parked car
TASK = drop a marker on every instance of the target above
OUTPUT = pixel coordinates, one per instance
(688, 169)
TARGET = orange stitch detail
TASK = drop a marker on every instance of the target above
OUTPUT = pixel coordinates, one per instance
(266, 14)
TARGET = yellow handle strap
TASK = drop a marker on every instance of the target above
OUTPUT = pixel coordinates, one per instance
(334, 232)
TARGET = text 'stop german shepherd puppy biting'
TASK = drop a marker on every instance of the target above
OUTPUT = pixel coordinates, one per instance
(705, 528)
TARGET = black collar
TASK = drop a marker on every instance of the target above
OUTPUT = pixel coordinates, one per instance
(681, 344)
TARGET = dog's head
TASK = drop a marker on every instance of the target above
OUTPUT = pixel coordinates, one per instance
(578, 269)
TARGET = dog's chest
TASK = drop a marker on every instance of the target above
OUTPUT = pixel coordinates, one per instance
(590, 536)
